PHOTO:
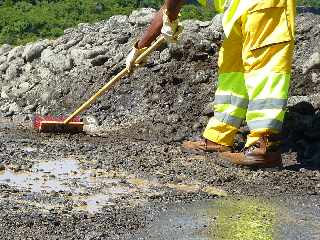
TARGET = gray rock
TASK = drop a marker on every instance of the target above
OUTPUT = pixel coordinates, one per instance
(86, 28)
(12, 72)
(3, 59)
(4, 107)
(33, 51)
(117, 58)
(201, 77)
(313, 99)
(118, 19)
(14, 68)
(19, 62)
(5, 48)
(4, 67)
(72, 43)
(24, 87)
(68, 31)
(80, 56)
(315, 77)
(56, 62)
(90, 120)
(215, 30)
(117, 24)
(28, 67)
(15, 53)
(15, 92)
(190, 26)
(2, 167)
(142, 17)
(100, 60)
(312, 63)
(14, 107)
(45, 97)
(208, 109)
(165, 56)
(30, 108)
(44, 111)
(303, 27)
(4, 91)
(123, 38)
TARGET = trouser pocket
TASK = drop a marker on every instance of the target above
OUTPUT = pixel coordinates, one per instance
(267, 24)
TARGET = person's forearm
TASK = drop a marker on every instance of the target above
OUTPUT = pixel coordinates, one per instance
(153, 31)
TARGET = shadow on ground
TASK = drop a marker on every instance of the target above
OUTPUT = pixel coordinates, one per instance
(301, 134)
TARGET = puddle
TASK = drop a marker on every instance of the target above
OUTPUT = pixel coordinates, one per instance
(238, 219)
(57, 168)
(95, 202)
(49, 176)
(65, 175)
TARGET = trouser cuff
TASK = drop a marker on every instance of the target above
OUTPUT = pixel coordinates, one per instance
(220, 133)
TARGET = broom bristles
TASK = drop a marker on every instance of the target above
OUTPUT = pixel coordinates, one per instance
(38, 119)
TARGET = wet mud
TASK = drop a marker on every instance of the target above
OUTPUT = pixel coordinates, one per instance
(114, 184)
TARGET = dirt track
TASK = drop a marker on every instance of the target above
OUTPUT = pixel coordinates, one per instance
(118, 183)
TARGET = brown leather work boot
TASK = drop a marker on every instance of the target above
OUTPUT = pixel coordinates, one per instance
(262, 154)
(204, 145)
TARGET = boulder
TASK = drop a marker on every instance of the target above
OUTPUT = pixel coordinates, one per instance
(14, 69)
(15, 53)
(56, 62)
(3, 67)
(312, 63)
(142, 17)
(79, 56)
(33, 50)
(14, 108)
(3, 59)
(5, 48)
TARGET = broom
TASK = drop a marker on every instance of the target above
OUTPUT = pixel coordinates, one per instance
(73, 124)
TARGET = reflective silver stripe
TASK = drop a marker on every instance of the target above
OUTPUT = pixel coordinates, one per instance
(233, 100)
(270, 103)
(227, 118)
(266, 123)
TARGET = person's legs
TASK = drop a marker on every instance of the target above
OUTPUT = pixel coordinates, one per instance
(267, 56)
(231, 97)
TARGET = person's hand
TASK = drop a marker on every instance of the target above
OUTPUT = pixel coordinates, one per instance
(171, 30)
(132, 57)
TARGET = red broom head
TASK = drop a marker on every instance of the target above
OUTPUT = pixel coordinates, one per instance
(38, 119)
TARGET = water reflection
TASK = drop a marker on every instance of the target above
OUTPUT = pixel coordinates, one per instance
(243, 218)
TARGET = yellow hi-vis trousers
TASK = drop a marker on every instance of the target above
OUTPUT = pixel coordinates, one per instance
(254, 73)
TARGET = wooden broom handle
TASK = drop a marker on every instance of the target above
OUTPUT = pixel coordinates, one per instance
(115, 79)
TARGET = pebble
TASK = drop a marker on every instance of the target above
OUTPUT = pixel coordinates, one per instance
(2, 167)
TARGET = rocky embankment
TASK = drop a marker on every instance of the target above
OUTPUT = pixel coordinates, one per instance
(169, 98)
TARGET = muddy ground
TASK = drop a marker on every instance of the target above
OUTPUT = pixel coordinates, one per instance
(117, 184)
